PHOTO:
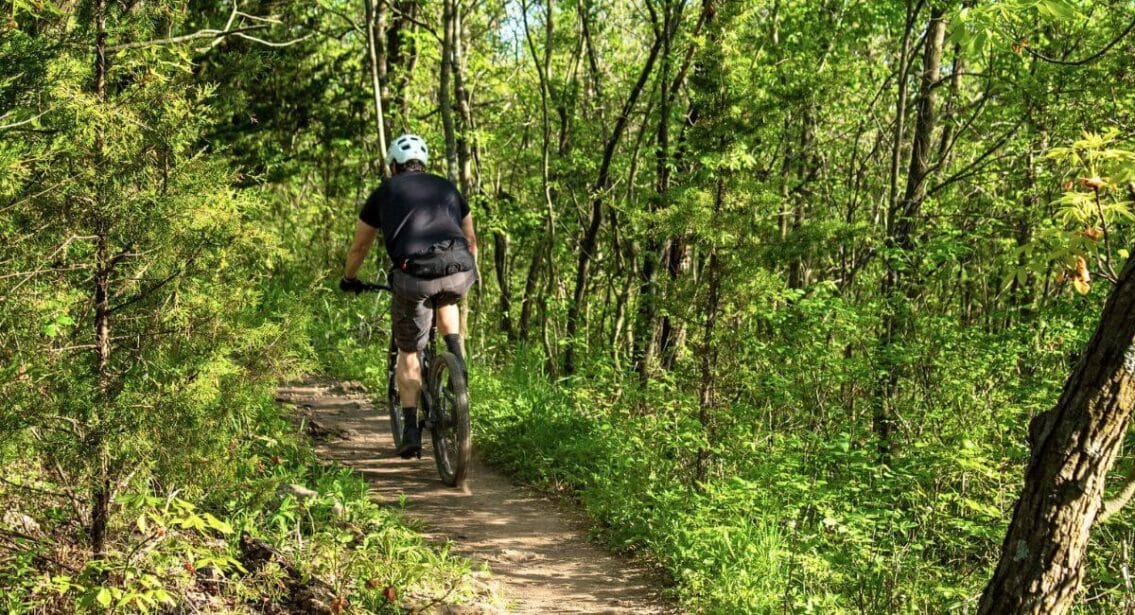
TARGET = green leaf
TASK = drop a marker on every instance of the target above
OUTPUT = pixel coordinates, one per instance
(103, 597)
(1058, 9)
(217, 524)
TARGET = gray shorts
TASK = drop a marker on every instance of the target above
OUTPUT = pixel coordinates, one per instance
(414, 298)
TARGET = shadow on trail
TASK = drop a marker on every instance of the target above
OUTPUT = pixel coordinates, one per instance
(537, 549)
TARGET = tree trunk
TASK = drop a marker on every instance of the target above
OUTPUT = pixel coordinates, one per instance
(602, 185)
(709, 349)
(100, 491)
(542, 63)
(376, 83)
(530, 284)
(655, 250)
(500, 265)
(464, 119)
(445, 95)
(402, 55)
(1074, 445)
(900, 235)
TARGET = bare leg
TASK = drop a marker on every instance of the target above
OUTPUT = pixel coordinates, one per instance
(449, 319)
(409, 376)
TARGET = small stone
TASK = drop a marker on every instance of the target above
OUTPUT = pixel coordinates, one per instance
(299, 491)
(21, 523)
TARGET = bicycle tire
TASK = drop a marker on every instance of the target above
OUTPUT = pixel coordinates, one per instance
(452, 434)
(393, 402)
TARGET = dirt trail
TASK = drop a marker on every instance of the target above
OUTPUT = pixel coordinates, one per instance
(537, 549)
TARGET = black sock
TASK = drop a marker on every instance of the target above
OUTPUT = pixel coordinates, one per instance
(410, 416)
(453, 344)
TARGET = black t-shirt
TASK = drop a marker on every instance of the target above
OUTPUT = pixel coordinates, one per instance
(415, 211)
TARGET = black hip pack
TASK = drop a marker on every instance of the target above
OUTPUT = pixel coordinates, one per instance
(443, 258)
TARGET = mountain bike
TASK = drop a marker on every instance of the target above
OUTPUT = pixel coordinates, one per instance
(443, 407)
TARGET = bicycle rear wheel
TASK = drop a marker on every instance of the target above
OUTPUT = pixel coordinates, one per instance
(393, 402)
(451, 430)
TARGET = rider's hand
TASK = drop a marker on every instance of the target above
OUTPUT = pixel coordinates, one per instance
(352, 285)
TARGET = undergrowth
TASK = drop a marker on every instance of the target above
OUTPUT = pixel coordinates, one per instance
(803, 521)
(178, 545)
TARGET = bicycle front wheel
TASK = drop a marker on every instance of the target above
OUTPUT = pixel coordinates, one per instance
(451, 430)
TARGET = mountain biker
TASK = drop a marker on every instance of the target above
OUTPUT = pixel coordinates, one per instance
(428, 232)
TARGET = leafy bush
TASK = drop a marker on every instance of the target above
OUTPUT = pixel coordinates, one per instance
(180, 544)
(787, 519)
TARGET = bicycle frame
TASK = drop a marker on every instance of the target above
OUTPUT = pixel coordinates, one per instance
(447, 416)
(428, 415)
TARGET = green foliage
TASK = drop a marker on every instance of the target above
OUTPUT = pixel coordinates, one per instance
(217, 181)
(183, 547)
(796, 513)
(177, 418)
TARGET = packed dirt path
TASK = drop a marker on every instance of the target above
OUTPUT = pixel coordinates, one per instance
(536, 549)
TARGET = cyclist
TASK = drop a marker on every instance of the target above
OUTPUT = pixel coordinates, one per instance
(428, 232)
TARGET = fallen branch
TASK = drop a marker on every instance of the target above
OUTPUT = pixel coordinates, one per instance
(307, 595)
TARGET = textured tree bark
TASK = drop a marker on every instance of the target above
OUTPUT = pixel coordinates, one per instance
(100, 491)
(464, 119)
(1074, 445)
(500, 265)
(531, 282)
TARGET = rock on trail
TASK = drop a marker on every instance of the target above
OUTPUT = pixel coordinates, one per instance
(537, 549)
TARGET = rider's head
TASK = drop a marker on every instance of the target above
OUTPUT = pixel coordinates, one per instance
(408, 153)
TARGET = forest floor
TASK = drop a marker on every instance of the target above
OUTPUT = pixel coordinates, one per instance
(536, 548)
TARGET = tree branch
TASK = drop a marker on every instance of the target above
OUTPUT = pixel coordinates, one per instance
(1092, 58)
(1115, 504)
(219, 35)
(207, 33)
(22, 122)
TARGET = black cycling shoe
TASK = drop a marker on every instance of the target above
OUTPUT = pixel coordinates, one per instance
(411, 435)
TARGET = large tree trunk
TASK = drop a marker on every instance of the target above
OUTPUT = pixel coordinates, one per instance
(527, 300)
(464, 120)
(543, 64)
(500, 265)
(1074, 445)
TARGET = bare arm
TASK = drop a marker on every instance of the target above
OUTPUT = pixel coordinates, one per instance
(364, 236)
(470, 235)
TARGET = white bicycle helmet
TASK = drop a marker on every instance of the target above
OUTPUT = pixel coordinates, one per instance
(408, 147)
